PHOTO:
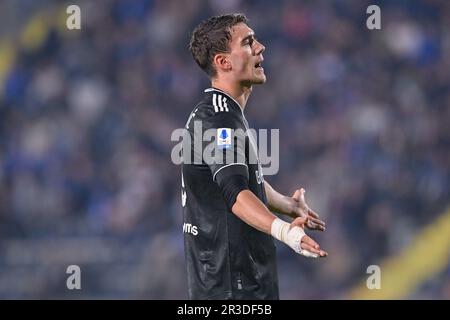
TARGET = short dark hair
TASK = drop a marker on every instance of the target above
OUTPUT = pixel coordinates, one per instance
(211, 37)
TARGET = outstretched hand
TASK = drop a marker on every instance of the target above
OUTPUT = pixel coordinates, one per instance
(301, 209)
(309, 247)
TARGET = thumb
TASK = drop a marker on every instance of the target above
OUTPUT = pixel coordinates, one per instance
(299, 194)
(299, 222)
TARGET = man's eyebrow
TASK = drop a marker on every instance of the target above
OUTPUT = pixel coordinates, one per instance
(250, 36)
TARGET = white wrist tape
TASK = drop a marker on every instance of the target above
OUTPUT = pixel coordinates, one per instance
(293, 238)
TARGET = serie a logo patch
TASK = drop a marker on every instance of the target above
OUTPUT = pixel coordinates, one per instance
(224, 138)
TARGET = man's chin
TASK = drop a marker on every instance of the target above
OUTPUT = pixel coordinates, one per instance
(260, 80)
(255, 80)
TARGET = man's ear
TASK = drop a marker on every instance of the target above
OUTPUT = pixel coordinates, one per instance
(222, 62)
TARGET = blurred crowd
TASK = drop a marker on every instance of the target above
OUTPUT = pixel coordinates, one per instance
(86, 117)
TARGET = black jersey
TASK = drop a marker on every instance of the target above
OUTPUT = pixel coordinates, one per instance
(226, 258)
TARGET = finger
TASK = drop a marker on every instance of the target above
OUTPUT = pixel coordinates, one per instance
(296, 195)
(308, 254)
(302, 195)
(310, 242)
(299, 222)
(316, 221)
(311, 249)
(319, 252)
(312, 213)
(314, 226)
(323, 253)
(308, 209)
(313, 246)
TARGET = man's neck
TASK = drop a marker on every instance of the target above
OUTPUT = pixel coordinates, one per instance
(237, 92)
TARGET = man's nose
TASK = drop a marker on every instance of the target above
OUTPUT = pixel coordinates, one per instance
(260, 49)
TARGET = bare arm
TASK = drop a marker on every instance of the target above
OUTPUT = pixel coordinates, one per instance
(278, 202)
(252, 211)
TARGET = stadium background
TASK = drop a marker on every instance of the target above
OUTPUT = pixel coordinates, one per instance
(86, 118)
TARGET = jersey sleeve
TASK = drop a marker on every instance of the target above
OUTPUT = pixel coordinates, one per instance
(223, 143)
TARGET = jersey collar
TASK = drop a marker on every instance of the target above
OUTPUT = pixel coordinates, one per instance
(218, 90)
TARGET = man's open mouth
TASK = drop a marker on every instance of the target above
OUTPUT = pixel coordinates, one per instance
(258, 65)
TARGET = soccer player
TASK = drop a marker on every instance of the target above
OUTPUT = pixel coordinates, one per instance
(228, 227)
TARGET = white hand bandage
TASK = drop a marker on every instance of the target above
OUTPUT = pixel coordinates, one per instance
(293, 238)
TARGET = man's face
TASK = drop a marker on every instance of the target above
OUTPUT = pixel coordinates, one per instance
(246, 56)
